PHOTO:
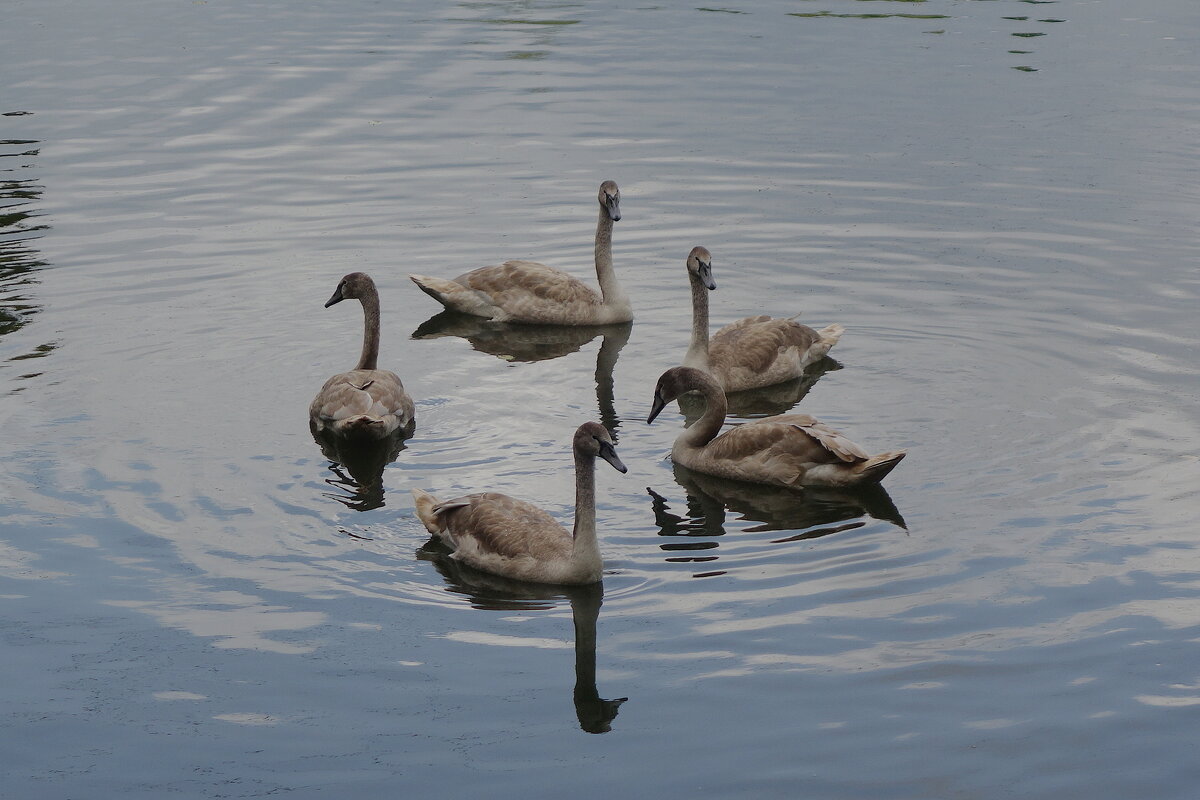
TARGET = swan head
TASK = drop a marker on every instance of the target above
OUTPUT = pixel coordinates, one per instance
(610, 199)
(699, 264)
(354, 286)
(592, 439)
(677, 381)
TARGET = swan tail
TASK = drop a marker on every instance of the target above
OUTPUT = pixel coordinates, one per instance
(364, 426)
(827, 337)
(830, 335)
(455, 296)
(875, 468)
(425, 503)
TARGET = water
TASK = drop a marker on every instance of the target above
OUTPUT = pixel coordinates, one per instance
(998, 199)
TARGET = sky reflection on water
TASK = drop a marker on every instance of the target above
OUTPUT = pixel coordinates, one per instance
(195, 597)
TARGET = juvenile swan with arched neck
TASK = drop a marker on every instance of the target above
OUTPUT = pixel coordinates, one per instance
(785, 450)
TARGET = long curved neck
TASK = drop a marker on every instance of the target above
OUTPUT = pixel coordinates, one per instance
(370, 349)
(705, 429)
(609, 288)
(697, 354)
(585, 508)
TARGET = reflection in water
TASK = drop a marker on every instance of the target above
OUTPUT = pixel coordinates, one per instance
(768, 401)
(496, 593)
(358, 466)
(19, 262)
(813, 511)
(527, 343)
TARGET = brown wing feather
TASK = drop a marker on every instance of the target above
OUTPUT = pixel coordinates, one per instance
(504, 526)
(754, 343)
(797, 440)
(517, 283)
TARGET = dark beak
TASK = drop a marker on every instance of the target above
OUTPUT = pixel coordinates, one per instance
(705, 273)
(659, 405)
(609, 454)
(613, 206)
(337, 297)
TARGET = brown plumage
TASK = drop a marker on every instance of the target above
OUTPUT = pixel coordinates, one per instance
(533, 293)
(752, 352)
(365, 402)
(505, 536)
(785, 450)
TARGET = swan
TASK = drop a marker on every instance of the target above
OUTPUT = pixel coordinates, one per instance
(785, 450)
(504, 536)
(532, 293)
(366, 402)
(752, 352)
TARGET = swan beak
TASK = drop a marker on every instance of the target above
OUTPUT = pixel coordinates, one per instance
(705, 273)
(337, 297)
(609, 454)
(613, 206)
(659, 405)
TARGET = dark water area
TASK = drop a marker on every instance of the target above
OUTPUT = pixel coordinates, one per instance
(998, 199)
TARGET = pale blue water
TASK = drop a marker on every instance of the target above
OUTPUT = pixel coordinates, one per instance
(997, 199)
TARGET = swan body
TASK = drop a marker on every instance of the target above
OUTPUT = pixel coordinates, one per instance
(752, 352)
(366, 402)
(533, 293)
(785, 450)
(505, 536)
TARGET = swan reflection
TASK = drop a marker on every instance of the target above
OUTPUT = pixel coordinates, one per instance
(357, 466)
(492, 592)
(768, 401)
(811, 512)
(527, 343)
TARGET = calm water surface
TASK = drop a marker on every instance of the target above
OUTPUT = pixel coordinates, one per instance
(997, 199)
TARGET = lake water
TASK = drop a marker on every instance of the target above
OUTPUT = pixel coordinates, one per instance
(998, 199)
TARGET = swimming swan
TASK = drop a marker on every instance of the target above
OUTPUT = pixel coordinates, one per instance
(498, 534)
(752, 352)
(366, 402)
(529, 292)
(784, 450)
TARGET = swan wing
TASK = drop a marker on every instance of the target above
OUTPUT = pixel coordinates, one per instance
(756, 343)
(491, 525)
(523, 288)
(832, 441)
(776, 450)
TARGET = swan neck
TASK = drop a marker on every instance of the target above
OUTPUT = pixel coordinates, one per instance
(586, 547)
(370, 349)
(697, 354)
(610, 290)
(705, 429)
